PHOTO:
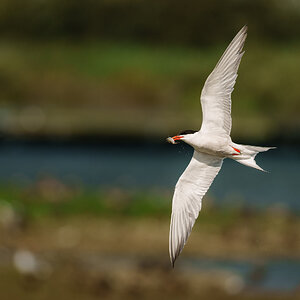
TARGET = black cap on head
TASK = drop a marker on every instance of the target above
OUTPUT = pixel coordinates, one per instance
(189, 131)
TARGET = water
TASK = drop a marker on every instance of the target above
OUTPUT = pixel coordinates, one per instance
(272, 275)
(147, 166)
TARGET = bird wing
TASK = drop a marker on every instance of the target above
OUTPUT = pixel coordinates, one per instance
(216, 93)
(186, 204)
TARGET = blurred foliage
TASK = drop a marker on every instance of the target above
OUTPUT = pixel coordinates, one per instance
(189, 22)
(125, 88)
(50, 197)
(69, 243)
(127, 67)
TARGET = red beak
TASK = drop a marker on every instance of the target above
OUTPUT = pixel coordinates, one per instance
(177, 137)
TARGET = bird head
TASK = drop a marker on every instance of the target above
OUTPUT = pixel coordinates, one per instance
(181, 136)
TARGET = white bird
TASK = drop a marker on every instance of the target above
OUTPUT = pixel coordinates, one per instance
(212, 143)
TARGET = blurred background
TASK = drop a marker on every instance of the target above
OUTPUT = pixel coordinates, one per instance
(89, 90)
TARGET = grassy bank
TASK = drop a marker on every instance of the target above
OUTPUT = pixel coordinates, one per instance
(75, 243)
(41, 210)
(67, 88)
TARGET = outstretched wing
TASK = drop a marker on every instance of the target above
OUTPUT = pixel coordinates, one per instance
(216, 93)
(189, 191)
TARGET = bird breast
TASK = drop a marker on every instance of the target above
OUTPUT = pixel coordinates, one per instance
(213, 145)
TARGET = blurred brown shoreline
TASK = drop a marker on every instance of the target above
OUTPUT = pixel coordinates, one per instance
(86, 258)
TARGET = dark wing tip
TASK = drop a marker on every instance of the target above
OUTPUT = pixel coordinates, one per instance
(243, 30)
(173, 252)
(173, 259)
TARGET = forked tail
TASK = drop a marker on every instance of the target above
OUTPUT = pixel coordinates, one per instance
(248, 153)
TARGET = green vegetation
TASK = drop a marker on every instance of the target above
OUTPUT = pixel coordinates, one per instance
(76, 243)
(121, 88)
(53, 199)
(50, 198)
(192, 22)
(49, 203)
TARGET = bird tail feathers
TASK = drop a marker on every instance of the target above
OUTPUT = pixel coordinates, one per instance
(248, 156)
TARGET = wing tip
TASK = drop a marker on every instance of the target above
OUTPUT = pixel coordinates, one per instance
(173, 256)
(239, 42)
(174, 248)
(243, 30)
(173, 262)
(242, 35)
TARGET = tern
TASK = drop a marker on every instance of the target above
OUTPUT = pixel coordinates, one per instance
(212, 144)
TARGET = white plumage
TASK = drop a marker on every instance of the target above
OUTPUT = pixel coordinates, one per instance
(216, 93)
(212, 143)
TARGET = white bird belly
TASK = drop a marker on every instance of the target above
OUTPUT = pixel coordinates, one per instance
(213, 145)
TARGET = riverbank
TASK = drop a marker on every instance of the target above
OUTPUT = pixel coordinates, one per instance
(234, 236)
(127, 257)
(64, 88)
(74, 243)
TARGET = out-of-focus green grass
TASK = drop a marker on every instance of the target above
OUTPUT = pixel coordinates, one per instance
(50, 198)
(131, 88)
(39, 201)
(118, 221)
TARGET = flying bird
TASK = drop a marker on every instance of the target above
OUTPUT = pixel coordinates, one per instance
(212, 144)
